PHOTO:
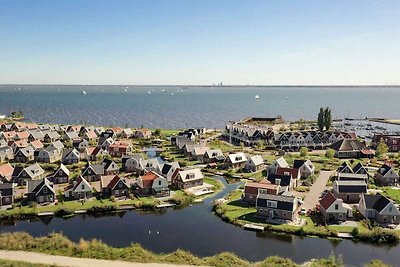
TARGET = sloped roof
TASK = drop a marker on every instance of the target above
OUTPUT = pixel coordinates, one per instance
(384, 169)
(297, 163)
(6, 170)
(282, 162)
(283, 202)
(377, 202)
(327, 200)
(285, 179)
(348, 145)
(351, 186)
(252, 188)
(237, 157)
(191, 175)
(358, 167)
(257, 160)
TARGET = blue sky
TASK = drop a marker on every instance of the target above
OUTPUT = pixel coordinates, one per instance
(200, 42)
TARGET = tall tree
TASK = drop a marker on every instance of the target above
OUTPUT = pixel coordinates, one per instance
(320, 121)
(381, 149)
(327, 119)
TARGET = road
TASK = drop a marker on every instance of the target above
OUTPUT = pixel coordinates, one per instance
(319, 185)
(39, 258)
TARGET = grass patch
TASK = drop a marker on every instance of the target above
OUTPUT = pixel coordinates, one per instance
(57, 244)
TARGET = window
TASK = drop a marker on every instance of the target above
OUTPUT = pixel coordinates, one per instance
(45, 190)
(336, 206)
(271, 204)
(159, 182)
(120, 185)
(83, 186)
(390, 209)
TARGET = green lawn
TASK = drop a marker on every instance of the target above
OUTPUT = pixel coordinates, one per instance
(391, 193)
(217, 144)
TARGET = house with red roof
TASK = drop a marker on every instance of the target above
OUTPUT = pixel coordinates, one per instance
(6, 171)
(293, 172)
(142, 133)
(120, 148)
(332, 208)
(251, 190)
(152, 183)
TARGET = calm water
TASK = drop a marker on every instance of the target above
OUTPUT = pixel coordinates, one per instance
(197, 230)
(194, 106)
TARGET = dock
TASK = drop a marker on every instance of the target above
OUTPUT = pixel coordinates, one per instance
(49, 213)
(167, 205)
(345, 235)
(254, 227)
(80, 211)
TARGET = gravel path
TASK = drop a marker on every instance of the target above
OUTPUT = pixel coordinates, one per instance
(319, 185)
(39, 258)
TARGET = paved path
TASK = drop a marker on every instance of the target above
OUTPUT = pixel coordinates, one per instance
(40, 258)
(319, 185)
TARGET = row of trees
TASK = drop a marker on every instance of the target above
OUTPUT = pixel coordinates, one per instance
(324, 119)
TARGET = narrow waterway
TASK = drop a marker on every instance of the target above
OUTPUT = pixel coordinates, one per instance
(197, 230)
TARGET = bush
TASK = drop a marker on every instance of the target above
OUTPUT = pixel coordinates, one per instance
(330, 153)
(101, 209)
(112, 198)
(303, 152)
(61, 212)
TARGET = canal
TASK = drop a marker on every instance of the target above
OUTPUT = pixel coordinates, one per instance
(197, 230)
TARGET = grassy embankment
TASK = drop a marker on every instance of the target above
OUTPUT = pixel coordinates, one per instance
(56, 244)
(236, 212)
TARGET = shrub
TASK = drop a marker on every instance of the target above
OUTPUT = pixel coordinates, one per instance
(101, 209)
(112, 198)
(63, 212)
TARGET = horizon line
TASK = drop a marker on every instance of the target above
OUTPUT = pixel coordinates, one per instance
(211, 85)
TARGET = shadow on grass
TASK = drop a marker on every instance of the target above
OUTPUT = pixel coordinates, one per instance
(239, 203)
(251, 218)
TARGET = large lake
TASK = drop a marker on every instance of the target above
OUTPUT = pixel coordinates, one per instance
(191, 106)
(199, 231)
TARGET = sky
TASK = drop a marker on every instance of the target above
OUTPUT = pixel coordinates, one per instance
(280, 42)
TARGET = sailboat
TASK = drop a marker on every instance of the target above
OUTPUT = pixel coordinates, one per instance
(84, 92)
(172, 94)
(257, 97)
(126, 90)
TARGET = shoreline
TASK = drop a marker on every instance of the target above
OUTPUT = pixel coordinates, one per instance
(57, 245)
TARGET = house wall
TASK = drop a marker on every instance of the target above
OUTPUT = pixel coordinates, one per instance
(348, 197)
(271, 213)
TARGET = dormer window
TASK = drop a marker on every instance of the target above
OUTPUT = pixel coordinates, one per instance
(190, 175)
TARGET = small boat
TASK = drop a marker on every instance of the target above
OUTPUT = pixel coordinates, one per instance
(126, 90)
(257, 97)
(164, 91)
(287, 98)
(84, 92)
(172, 94)
(148, 92)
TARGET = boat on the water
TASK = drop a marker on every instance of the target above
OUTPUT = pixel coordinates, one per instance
(84, 92)
(257, 97)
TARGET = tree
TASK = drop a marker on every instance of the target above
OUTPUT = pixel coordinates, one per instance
(381, 149)
(242, 145)
(303, 152)
(329, 153)
(320, 121)
(157, 132)
(260, 144)
(327, 119)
